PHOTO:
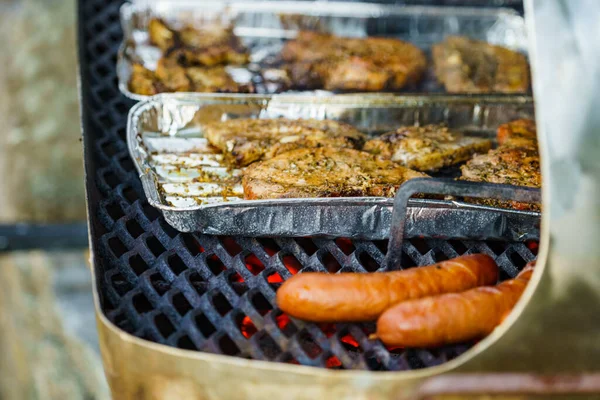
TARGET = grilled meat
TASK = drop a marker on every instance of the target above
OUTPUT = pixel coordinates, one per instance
(509, 165)
(193, 60)
(161, 35)
(244, 141)
(324, 172)
(426, 148)
(172, 77)
(143, 81)
(215, 80)
(518, 133)
(207, 46)
(317, 60)
(464, 65)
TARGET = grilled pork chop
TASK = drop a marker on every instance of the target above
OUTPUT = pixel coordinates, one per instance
(518, 166)
(244, 141)
(324, 172)
(464, 65)
(426, 148)
(318, 60)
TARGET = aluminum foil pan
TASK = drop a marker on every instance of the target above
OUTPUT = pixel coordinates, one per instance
(263, 27)
(174, 161)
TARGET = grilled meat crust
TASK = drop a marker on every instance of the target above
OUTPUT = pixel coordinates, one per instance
(143, 81)
(193, 61)
(206, 46)
(244, 141)
(465, 65)
(215, 80)
(518, 133)
(318, 60)
(508, 165)
(324, 172)
(172, 77)
(426, 148)
(161, 35)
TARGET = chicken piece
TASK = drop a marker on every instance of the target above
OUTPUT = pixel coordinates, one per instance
(214, 80)
(207, 46)
(244, 141)
(317, 60)
(324, 172)
(172, 76)
(161, 35)
(518, 166)
(464, 65)
(426, 148)
(518, 133)
(143, 81)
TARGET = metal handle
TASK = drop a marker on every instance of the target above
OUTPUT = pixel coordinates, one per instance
(449, 187)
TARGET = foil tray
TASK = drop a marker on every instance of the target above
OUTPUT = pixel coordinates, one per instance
(165, 140)
(263, 26)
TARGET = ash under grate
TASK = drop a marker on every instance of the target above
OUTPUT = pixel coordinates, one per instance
(216, 294)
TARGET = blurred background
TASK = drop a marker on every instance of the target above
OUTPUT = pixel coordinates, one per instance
(47, 326)
(48, 336)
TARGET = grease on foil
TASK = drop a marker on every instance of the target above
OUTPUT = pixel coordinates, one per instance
(186, 179)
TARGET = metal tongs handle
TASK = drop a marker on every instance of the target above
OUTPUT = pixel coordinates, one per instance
(447, 187)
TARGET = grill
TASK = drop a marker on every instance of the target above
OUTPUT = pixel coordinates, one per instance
(216, 294)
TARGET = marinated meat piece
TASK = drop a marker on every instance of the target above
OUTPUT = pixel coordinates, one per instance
(311, 46)
(172, 76)
(161, 35)
(213, 45)
(210, 35)
(276, 80)
(316, 60)
(518, 133)
(464, 65)
(191, 60)
(324, 172)
(214, 79)
(306, 75)
(207, 46)
(358, 73)
(426, 148)
(244, 141)
(143, 81)
(509, 165)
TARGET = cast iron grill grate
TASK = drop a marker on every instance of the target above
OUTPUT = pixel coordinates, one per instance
(216, 294)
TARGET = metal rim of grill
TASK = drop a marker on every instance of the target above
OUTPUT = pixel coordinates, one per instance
(216, 294)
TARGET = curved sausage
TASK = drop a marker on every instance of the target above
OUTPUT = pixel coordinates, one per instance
(363, 297)
(451, 318)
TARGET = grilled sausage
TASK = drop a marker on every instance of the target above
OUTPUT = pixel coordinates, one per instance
(363, 297)
(451, 318)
